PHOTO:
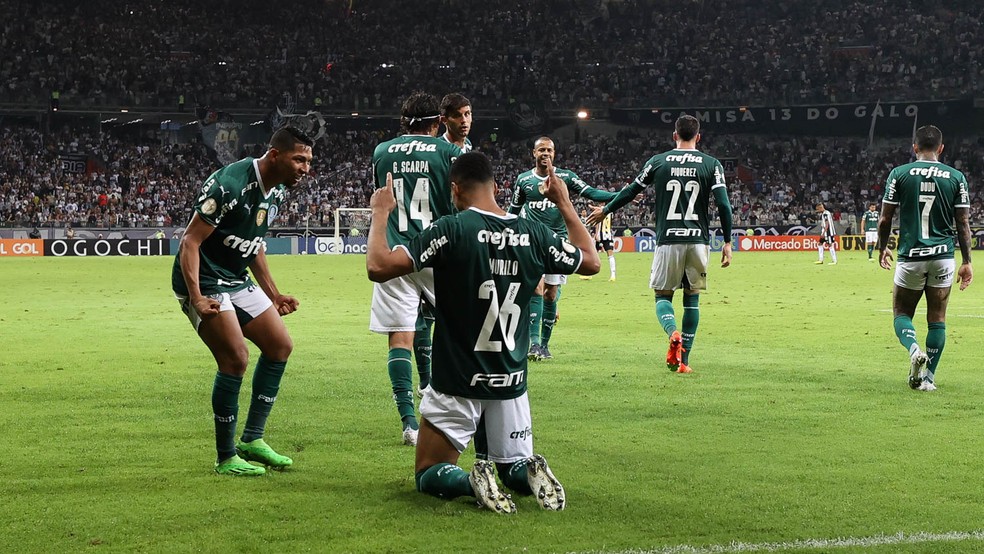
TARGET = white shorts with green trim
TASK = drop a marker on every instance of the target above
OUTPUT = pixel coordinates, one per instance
(508, 424)
(674, 262)
(922, 274)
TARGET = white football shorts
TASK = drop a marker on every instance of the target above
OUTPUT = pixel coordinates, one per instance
(508, 423)
(928, 273)
(555, 279)
(396, 302)
(871, 236)
(248, 303)
(673, 262)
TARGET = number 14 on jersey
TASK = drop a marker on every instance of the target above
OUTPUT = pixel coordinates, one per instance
(417, 206)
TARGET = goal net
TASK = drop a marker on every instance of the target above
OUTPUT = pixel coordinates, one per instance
(352, 222)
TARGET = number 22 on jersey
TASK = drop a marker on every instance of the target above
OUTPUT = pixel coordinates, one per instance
(419, 203)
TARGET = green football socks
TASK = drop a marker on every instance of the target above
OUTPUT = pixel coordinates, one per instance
(444, 481)
(536, 318)
(935, 341)
(906, 332)
(401, 377)
(871, 250)
(266, 385)
(664, 313)
(514, 476)
(422, 350)
(691, 317)
(549, 318)
(225, 409)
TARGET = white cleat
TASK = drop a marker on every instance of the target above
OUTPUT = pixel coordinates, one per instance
(917, 361)
(927, 386)
(482, 479)
(410, 437)
(547, 490)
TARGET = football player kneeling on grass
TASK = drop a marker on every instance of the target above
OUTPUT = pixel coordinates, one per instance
(486, 265)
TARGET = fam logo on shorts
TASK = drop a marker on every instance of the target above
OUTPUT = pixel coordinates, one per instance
(209, 206)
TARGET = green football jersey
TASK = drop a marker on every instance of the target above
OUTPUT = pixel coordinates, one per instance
(466, 148)
(529, 202)
(421, 168)
(233, 200)
(486, 268)
(869, 221)
(682, 182)
(927, 194)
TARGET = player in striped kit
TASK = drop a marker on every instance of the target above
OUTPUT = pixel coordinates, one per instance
(828, 235)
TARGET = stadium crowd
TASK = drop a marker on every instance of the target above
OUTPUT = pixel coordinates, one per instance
(128, 183)
(361, 55)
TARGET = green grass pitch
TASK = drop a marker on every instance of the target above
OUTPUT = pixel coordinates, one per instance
(797, 423)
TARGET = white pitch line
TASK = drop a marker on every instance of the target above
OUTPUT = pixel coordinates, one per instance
(813, 544)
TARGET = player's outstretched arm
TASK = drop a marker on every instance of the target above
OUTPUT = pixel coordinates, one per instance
(383, 264)
(556, 191)
(623, 197)
(261, 273)
(190, 255)
(884, 231)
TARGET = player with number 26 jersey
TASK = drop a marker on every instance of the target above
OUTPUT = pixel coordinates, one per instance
(420, 165)
(497, 261)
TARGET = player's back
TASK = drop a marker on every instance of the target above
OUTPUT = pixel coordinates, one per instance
(496, 261)
(682, 181)
(927, 194)
(421, 168)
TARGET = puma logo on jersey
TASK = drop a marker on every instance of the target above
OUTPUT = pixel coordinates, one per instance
(507, 237)
(684, 158)
(932, 171)
(246, 247)
(411, 147)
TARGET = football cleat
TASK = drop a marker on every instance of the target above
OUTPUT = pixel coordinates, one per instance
(927, 386)
(584, 277)
(917, 361)
(675, 353)
(831, 263)
(259, 451)
(547, 490)
(818, 262)
(545, 353)
(238, 467)
(684, 368)
(410, 436)
(482, 479)
(611, 279)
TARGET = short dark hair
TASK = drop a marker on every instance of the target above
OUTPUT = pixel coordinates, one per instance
(452, 102)
(542, 138)
(419, 111)
(687, 127)
(928, 137)
(472, 169)
(287, 138)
